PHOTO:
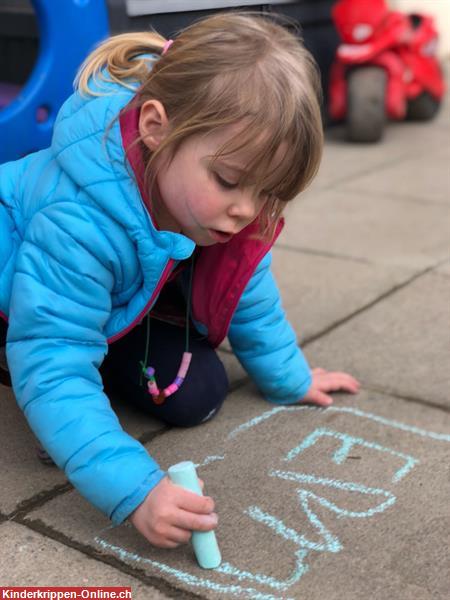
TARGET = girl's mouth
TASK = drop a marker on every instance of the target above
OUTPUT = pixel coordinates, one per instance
(220, 236)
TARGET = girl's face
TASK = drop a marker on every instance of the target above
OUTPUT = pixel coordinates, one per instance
(201, 201)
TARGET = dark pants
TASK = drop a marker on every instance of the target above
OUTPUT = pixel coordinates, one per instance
(201, 394)
(198, 399)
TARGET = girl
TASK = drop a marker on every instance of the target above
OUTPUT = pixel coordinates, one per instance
(161, 193)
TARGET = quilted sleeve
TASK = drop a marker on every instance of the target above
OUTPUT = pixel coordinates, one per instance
(265, 342)
(60, 302)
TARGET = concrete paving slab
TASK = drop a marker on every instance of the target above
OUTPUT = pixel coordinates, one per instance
(413, 178)
(22, 476)
(32, 558)
(428, 137)
(318, 291)
(426, 140)
(342, 161)
(422, 138)
(401, 345)
(443, 269)
(374, 227)
(347, 502)
(236, 374)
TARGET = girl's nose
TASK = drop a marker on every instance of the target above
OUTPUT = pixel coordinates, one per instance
(244, 209)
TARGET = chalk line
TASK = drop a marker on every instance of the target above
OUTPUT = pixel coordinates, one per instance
(441, 437)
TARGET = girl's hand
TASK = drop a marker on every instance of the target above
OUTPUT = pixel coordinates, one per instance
(327, 381)
(170, 513)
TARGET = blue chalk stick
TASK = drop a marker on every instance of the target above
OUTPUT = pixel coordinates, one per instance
(204, 543)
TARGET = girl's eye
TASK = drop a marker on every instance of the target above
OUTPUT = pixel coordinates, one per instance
(224, 183)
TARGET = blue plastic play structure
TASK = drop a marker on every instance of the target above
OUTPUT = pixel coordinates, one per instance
(68, 31)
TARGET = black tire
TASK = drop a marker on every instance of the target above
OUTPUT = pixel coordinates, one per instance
(422, 108)
(366, 113)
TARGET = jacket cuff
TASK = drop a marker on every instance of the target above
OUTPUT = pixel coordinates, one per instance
(294, 398)
(129, 504)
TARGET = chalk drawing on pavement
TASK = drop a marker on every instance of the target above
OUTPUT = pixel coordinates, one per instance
(242, 583)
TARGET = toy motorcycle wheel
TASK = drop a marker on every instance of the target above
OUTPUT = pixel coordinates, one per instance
(366, 113)
(422, 108)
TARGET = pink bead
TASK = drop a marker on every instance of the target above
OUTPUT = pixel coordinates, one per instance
(171, 389)
(185, 362)
(153, 388)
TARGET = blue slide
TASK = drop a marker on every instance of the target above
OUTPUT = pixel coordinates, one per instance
(68, 31)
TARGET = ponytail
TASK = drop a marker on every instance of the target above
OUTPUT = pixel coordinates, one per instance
(119, 55)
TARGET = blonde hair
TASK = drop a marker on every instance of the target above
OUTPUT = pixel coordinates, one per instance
(228, 68)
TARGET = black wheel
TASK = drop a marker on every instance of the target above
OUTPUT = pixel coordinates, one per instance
(366, 113)
(422, 108)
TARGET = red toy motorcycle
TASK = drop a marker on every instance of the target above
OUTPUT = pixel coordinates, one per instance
(386, 67)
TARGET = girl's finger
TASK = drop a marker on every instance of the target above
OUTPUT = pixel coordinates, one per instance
(338, 381)
(318, 371)
(345, 376)
(195, 522)
(179, 536)
(319, 398)
(194, 503)
(169, 544)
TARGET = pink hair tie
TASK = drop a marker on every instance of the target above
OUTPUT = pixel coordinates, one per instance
(166, 46)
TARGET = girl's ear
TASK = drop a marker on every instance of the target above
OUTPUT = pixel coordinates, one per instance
(153, 124)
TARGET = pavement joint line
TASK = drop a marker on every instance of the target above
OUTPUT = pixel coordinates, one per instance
(413, 399)
(38, 500)
(366, 261)
(397, 196)
(324, 253)
(156, 582)
(149, 436)
(367, 306)
(239, 383)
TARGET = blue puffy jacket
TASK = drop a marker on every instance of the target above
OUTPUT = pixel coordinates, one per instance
(80, 264)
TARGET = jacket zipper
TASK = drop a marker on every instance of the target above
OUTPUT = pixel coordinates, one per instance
(148, 306)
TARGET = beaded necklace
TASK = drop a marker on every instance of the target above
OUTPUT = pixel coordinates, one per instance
(159, 396)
